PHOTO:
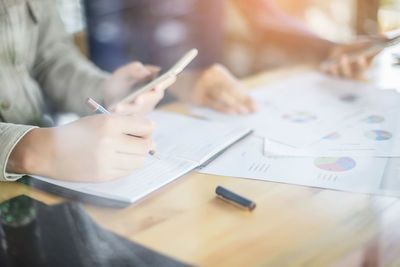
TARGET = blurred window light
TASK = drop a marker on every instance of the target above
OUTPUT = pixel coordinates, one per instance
(171, 33)
(319, 20)
(107, 31)
(72, 15)
(389, 15)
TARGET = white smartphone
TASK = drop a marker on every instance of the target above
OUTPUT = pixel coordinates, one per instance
(370, 50)
(379, 45)
(173, 71)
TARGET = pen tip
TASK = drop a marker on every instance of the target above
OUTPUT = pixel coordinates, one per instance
(154, 154)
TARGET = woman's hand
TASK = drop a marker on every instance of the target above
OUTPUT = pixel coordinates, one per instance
(120, 85)
(94, 149)
(219, 89)
(349, 61)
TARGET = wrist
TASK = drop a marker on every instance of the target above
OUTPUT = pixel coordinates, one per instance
(32, 154)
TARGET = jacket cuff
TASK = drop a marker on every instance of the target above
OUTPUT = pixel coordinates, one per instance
(10, 136)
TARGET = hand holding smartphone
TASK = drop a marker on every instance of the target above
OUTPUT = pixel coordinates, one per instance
(173, 71)
(370, 50)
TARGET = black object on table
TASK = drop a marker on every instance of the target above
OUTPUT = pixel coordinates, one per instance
(34, 234)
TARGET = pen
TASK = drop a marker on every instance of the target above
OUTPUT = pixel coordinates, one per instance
(234, 198)
(99, 109)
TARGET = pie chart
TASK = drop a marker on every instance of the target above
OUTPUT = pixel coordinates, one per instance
(335, 164)
(374, 119)
(332, 136)
(378, 135)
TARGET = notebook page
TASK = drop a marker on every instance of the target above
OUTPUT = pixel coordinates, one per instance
(190, 138)
(183, 143)
(141, 182)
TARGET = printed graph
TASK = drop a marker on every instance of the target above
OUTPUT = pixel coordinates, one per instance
(332, 136)
(374, 119)
(378, 135)
(259, 167)
(335, 164)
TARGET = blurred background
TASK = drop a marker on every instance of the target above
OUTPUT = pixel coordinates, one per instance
(158, 32)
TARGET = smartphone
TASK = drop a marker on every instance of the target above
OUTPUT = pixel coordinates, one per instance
(369, 50)
(379, 45)
(173, 71)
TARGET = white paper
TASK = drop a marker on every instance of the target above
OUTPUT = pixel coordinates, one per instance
(390, 182)
(182, 143)
(301, 110)
(190, 138)
(375, 135)
(141, 182)
(354, 174)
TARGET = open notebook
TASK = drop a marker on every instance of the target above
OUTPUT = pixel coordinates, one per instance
(183, 144)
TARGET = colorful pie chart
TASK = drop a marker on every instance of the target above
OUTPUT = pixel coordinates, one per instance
(335, 164)
(378, 135)
(374, 119)
(332, 136)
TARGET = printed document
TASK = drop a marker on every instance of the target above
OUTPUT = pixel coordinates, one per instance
(183, 144)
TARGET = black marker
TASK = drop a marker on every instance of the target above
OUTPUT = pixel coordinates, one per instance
(234, 198)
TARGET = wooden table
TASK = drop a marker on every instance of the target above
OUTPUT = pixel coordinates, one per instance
(291, 226)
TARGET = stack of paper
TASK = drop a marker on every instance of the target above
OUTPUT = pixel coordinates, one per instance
(317, 130)
(183, 144)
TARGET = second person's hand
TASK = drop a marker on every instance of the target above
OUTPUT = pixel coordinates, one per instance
(219, 89)
(349, 60)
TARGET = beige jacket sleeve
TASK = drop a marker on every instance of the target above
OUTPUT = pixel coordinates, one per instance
(10, 134)
(66, 76)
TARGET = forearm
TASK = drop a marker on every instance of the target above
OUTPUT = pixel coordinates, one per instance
(30, 155)
(10, 136)
(273, 26)
(69, 81)
(66, 76)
